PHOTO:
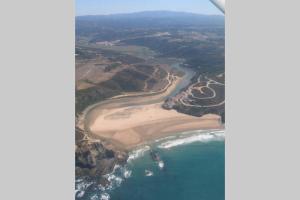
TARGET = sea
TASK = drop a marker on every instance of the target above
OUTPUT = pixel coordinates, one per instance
(191, 167)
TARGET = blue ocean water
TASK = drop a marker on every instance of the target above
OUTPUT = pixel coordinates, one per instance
(193, 170)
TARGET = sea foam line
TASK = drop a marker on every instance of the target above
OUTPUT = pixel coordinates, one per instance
(199, 136)
(120, 173)
(137, 153)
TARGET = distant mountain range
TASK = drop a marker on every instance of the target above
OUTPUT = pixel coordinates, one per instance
(155, 14)
(153, 18)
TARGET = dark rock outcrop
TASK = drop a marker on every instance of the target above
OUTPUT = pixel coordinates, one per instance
(94, 160)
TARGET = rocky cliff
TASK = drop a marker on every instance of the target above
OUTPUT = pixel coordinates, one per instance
(92, 159)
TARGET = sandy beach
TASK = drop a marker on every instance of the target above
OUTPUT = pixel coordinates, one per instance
(131, 121)
(128, 127)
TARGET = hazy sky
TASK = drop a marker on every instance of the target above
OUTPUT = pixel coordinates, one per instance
(98, 7)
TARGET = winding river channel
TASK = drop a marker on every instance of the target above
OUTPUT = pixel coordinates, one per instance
(93, 111)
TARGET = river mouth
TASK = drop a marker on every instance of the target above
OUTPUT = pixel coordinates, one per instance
(186, 80)
(140, 168)
(144, 99)
(129, 121)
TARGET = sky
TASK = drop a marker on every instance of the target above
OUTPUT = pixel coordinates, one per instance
(103, 7)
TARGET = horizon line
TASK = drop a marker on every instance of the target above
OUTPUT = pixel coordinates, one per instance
(134, 12)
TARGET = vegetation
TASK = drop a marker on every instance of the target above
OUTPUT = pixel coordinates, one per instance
(198, 39)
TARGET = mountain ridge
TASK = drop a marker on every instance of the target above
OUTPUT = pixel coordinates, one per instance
(157, 13)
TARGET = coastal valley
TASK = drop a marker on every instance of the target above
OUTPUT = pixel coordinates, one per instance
(141, 77)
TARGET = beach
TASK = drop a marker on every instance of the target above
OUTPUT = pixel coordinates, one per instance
(150, 106)
(136, 123)
(131, 120)
(128, 127)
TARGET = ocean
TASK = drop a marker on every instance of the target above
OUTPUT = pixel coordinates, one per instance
(191, 167)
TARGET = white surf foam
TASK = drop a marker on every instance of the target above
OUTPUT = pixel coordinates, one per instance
(148, 173)
(137, 153)
(165, 138)
(95, 197)
(199, 136)
(127, 173)
(104, 196)
(161, 164)
(115, 179)
(80, 186)
(79, 194)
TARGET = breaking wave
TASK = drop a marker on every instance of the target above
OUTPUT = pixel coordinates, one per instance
(148, 173)
(137, 153)
(165, 138)
(188, 138)
(104, 196)
(127, 173)
(99, 192)
(161, 164)
(116, 178)
(80, 187)
(87, 189)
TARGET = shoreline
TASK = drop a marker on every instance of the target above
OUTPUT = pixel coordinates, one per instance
(173, 137)
(127, 121)
(128, 127)
(87, 113)
(177, 139)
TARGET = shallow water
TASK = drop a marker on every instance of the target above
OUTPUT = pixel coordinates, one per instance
(193, 170)
(189, 74)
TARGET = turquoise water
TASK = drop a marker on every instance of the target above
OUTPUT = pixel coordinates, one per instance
(193, 170)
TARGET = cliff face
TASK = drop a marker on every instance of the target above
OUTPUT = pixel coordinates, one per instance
(93, 159)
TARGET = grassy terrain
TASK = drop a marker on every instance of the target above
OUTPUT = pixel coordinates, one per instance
(136, 39)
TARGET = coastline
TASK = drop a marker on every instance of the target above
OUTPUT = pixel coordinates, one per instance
(127, 127)
(147, 123)
(131, 124)
(125, 122)
(139, 162)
